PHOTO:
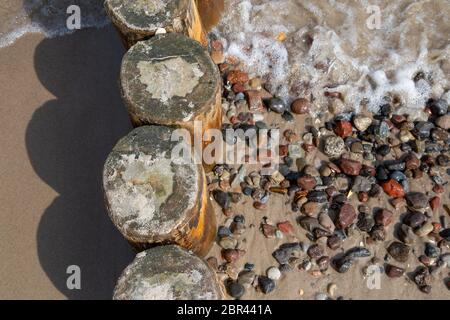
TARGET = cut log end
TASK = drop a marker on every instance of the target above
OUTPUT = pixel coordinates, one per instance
(155, 198)
(167, 273)
(139, 20)
(171, 80)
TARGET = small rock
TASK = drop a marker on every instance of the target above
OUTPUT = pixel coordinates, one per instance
(334, 146)
(266, 284)
(350, 167)
(358, 252)
(228, 243)
(425, 229)
(362, 123)
(274, 273)
(285, 227)
(399, 251)
(384, 217)
(300, 106)
(343, 264)
(237, 76)
(439, 107)
(417, 200)
(331, 289)
(235, 289)
(223, 199)
(306, 182)
(414, 219)
(268, 230)
(277, 105)
(393, 188)
(443, 122)
(334, 242)
(246, 278)
(346, 216)
(445, 234)
(254, 100)
(394, 272)
(432, 251)
(315, 251)
(343, 128)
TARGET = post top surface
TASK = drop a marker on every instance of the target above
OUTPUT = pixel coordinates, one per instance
(169, 79)
(144, 15)
(148, 192)
(167, 273)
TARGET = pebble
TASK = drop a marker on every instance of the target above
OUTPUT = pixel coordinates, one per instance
(393, 188)
(331, 289)
(365, 222)
(344, 264)
(277, 105)
(343, 128)
(432, 251)
(362, 184)
(443, 122)
(425, 229)
(346, 216)
(236, 289)
(399, 251)
(223, 199)
(358, 252)
(362, 123)
(266, 284)
(300, 106)
(439, 107)
(228, 243)
(445, 234)
(394, 272)
(350, 167)
(306, 182)
(326, 222)
(274, 273)
(414, 219)
(315, 251)
(246, 278)
(384, 217)
(334, 146)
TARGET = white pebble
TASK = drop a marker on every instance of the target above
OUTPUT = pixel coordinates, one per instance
(274, 273)
(160, 31)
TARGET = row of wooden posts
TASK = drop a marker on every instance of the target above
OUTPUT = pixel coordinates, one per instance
(161, 205)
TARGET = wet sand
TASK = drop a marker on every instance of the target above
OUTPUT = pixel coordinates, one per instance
(61, 115)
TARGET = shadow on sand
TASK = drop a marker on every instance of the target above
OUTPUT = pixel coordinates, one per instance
(68, 139)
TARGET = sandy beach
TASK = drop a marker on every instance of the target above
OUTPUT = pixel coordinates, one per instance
(61, 115)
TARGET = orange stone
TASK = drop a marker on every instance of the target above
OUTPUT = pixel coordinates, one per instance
(237, 76)
(343, 129)
(393, 188)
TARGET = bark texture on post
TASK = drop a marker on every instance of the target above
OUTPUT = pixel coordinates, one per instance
(171, 80)
(154, 198)
(167, 273)
(139, 19)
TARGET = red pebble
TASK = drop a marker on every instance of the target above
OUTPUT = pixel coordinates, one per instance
(435, 202)
(438, 188)
(343, 128)
(393, 188)
(285, 227)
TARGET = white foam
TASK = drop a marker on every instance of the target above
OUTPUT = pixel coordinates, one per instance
(366, 66)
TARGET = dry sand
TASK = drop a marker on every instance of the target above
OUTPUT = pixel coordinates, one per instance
(61, 115)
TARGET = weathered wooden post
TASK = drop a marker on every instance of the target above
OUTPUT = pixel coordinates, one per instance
(141, 19)
(154, 197)
(171, 80)
(167, 273)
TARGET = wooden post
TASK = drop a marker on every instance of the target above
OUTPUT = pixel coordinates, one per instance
(171, 80)
(154, 198)
(140, 19)
(167, 273)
